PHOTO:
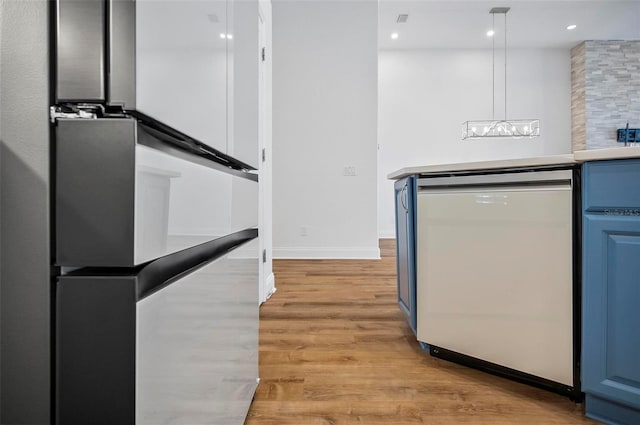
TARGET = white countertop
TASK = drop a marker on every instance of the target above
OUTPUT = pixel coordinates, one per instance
(577, 157)
(609, 153)
(484, 165)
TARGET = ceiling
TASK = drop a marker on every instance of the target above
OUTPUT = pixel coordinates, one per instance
(530, 23)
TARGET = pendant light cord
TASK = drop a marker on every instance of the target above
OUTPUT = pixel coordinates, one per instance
(493, 69)
(505, 66)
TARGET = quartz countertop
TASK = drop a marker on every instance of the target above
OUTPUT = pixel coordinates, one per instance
(484, 165)
(622, 152)
(609, 153)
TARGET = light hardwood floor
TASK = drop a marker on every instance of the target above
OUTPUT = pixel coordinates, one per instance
(335, 349)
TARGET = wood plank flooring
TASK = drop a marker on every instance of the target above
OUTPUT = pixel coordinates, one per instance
(335, 349)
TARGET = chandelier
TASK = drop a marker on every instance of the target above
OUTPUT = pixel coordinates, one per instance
(493, 128)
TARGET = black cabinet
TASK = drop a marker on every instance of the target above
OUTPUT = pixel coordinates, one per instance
(405, 201)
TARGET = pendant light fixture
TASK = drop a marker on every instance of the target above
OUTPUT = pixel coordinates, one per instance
(504, 128)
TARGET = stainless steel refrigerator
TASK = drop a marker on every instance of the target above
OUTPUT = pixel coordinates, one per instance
(155, 212)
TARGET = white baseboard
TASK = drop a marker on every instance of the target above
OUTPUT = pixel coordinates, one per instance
(327, 253)
(387, 235)
(270, 294)
(270, 286)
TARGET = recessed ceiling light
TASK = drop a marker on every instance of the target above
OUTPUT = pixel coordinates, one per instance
(223, 35)
(394, 36)
(229, 36)
(572, 27)
(490, 33)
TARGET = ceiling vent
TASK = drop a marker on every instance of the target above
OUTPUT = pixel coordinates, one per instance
(402, 18)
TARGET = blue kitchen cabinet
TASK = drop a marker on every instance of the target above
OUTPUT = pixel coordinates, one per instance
(611, 291)
(405, 201)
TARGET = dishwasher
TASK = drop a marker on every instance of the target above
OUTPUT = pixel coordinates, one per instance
(498, 274)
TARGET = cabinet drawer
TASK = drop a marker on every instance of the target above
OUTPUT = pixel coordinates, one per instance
(149, 199)
(612, 186)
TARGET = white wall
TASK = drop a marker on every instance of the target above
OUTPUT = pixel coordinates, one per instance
(179, 50)
(425, 95)
(324, 118)
(197, 105)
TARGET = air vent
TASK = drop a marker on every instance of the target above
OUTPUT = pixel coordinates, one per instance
(402, 18)
(213, 18)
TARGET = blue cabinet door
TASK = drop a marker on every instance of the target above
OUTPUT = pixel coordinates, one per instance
(611, 317)
(405, 247)
(611, 291)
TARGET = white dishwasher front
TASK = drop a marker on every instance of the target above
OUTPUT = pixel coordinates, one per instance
(495, 270)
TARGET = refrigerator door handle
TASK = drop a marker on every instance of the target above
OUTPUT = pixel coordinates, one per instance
(162, 272)
(174, 137)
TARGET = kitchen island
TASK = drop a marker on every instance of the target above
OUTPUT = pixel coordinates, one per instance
(490, 271)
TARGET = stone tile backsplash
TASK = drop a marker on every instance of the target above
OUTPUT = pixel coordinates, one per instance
(605, 84)
(578, 113)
